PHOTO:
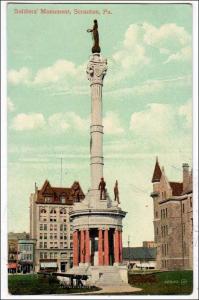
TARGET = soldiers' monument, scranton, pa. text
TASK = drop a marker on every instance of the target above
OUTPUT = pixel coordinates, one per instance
(97, 220)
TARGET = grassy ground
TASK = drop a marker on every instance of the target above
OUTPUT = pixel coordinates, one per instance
(38, 285)
(163, 283)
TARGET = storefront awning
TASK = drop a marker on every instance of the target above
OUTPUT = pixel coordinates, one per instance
(12, 265)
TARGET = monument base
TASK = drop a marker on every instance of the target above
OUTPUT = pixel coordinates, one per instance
(102, 275)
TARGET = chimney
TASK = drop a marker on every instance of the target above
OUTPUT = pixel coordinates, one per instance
(185, 168)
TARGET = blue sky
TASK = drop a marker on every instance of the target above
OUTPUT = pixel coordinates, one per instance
(147, 102)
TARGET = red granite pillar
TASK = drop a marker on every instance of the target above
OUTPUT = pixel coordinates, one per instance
(106, 248)
(87, 240)
(100, 248)
(116, 246)
(120, 232)
(82, 247)
(75, 248)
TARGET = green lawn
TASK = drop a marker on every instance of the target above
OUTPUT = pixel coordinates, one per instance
(38, 285)
(163, 283)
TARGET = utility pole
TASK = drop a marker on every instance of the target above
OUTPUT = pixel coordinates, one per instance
(129, 248)
(61, 174)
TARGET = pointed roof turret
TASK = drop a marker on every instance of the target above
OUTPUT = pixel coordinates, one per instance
(157, 172)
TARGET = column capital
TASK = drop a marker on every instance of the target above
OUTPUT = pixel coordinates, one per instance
(96, 69)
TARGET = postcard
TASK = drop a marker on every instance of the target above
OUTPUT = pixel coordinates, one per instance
(99, 174)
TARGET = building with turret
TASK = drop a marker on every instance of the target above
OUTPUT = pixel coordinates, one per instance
(173, 219)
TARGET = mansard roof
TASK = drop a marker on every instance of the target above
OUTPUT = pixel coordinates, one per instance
(72, 194)
(177, 188)
(157, 172)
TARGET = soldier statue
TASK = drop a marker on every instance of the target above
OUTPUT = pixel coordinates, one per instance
(102, 189)
(96, 47)
(116, 192)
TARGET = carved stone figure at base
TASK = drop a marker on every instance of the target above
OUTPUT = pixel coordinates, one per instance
(102, 188)
(116, 192)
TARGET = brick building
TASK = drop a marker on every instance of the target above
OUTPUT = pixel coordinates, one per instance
(173, 219)
(50, 225)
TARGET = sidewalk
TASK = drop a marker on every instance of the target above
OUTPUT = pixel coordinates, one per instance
(110, 289)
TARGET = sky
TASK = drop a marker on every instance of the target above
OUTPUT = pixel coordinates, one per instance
(147, 102)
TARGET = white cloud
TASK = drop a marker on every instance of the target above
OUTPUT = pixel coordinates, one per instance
(23, 75)
(156, 119)
(167, 36)
(185, 54)
(11, 106)
(132, 52)
(112, 124)
(56, 72)
(28, 122)
(186, 112)
(61, 122)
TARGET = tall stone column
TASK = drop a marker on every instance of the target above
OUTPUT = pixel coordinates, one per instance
(100, 248)
(96, 70)
(82, 246)
(75, 248)
(87, 246)
(116, 246)
(106, 248)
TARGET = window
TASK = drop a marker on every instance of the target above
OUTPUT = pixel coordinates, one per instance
(40, 245)
(64, 220)
(55, 236)
(45, 236)
(51, 227)
(184, 248)
(45, 255)
(61, 244)
(41, 255)
(62, 211)
(191, 225)
(183, 207)
(43, 211)
(51, 245)
(190, 201)
(183, 229)
(157, 231)
(61, 227)
(41, 226)
(51, 255)
(61, 236)
(166, 212)
(55, 227)
(167, 248)
(65, 244)
(53, 219)
(45, 226)
(65, 237)
(63, 199)
(45, 244)
(55, 254)
(53, 211)
(65, 227)
(51, 236)
(40, 236)
(47, 199)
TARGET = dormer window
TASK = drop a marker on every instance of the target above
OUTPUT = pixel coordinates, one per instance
(63, 199)
(48, 199)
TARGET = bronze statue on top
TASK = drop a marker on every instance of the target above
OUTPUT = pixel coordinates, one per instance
(96, 47)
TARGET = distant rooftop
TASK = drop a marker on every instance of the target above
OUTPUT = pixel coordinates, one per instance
(139, 253)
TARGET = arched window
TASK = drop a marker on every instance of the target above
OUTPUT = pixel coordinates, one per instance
(43, 211)
(62, 211)
(53, 211)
